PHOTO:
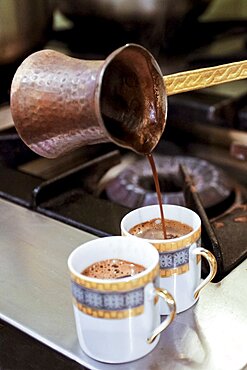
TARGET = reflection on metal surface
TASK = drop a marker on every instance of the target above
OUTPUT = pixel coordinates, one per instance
(241, 219)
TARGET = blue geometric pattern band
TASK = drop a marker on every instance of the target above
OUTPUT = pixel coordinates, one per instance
(170, 260)
(109, 301)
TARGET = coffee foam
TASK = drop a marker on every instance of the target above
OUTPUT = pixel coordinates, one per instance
(112, 269)
(152, 229)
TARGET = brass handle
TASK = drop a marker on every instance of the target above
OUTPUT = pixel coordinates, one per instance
(204, 77)
(213, 268)
(163, 293)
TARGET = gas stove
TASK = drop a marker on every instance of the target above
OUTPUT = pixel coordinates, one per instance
(93, 187)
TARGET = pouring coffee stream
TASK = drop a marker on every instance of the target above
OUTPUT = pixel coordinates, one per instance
(59, 103)
(158, 192)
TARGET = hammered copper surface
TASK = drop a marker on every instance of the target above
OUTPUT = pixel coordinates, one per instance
(52, 103)
(59, 103)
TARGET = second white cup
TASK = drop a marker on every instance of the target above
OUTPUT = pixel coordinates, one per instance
(180, 258)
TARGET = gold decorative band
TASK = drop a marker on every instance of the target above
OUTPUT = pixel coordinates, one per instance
(204, 77)
(175, 271)
(121, 314)
(117, 285)
(178, 244)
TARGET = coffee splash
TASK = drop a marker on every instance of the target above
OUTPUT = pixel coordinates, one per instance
(112, 269)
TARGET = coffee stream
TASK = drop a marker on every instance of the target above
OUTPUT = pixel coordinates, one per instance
(157, 187)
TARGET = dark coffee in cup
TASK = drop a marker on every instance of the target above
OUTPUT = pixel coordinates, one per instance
(153, 229)
(112, 269)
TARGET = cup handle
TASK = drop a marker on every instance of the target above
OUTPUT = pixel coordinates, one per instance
(163, 293)
(213, 268)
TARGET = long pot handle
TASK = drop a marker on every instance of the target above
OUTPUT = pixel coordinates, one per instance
(204, 77)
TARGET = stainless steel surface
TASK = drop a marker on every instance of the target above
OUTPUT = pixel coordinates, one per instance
(35, 297)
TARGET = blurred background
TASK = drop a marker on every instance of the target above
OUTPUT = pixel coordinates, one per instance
(181, 34)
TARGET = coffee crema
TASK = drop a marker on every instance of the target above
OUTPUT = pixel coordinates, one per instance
(153, 229)
(112, 269)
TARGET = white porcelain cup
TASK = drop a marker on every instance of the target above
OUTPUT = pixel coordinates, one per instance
(118, 320)
(180, 258)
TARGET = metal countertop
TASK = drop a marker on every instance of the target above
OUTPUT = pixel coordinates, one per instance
(36, 298)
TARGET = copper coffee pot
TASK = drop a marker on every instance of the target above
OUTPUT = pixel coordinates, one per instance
(59, 103)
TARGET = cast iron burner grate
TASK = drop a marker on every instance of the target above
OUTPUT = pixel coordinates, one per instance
(134, 186)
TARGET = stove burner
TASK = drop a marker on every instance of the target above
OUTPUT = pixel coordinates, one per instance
(134, 186)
